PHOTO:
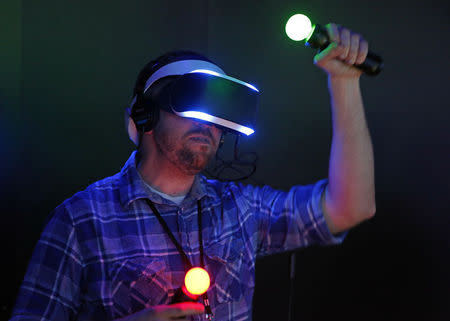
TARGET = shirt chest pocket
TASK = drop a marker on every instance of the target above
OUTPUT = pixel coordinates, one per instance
(138, 283)
(232, 273)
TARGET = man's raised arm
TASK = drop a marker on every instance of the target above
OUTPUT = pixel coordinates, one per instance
(350, 195)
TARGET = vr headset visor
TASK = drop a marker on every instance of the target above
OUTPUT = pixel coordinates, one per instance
(204, 92)
(212, 97)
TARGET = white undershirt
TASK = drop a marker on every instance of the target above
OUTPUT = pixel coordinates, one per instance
(176, 199)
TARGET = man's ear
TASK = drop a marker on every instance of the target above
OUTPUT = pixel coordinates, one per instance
(131, 129)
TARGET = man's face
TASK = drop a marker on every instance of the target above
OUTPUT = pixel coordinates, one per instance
(187, 144)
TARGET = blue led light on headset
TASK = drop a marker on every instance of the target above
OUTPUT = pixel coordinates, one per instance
(201, 91)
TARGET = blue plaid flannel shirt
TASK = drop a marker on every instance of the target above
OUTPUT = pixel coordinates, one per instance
(103, 255)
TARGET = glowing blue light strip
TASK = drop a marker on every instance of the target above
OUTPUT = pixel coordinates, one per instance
(214, 73)
(216, 120)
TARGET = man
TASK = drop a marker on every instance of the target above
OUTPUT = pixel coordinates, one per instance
(120, 248)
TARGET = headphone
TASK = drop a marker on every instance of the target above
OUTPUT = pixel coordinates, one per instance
(145, 110)
(143, 114)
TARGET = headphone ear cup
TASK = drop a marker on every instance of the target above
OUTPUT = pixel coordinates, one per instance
(152, 118)
(145, 111)
(144, 114)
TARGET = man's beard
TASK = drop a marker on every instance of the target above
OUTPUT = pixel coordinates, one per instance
(184, 158)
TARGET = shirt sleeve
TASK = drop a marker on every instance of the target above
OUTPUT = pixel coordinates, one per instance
(288, 220)
(51, 287)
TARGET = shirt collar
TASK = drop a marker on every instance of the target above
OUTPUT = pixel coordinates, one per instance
(132, 187)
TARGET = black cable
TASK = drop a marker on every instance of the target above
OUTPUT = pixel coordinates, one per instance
(291, 285)
(208, 311)
(221, 165)
(200, 234)
(170, 234)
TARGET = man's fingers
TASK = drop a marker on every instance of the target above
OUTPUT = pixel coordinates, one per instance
(354, 49)
(363, 50)
(182, 309)
(344, 43)
(333, 32)
(346, 49)
(330, 52)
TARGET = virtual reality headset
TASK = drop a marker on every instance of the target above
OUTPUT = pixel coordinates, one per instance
(201, 91)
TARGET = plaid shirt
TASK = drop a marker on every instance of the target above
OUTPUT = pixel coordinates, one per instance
(103, 254)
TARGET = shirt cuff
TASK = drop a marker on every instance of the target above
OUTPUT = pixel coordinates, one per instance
(327, 238)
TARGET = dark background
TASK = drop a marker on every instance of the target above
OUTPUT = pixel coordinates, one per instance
(68, 69)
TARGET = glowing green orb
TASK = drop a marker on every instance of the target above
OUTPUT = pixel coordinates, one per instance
(298, 27)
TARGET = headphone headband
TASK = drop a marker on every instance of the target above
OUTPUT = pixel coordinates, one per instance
(178, 68)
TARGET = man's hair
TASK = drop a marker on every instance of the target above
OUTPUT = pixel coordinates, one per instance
(163, 60)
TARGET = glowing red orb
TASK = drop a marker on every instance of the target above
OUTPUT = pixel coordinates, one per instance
(197, 281)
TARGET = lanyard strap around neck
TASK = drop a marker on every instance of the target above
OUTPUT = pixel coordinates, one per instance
(175, 241)
(209, 314)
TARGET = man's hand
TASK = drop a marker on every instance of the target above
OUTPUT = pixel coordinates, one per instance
(178, 311)
(346, 49)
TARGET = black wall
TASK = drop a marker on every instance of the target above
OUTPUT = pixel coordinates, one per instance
(67, 69)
